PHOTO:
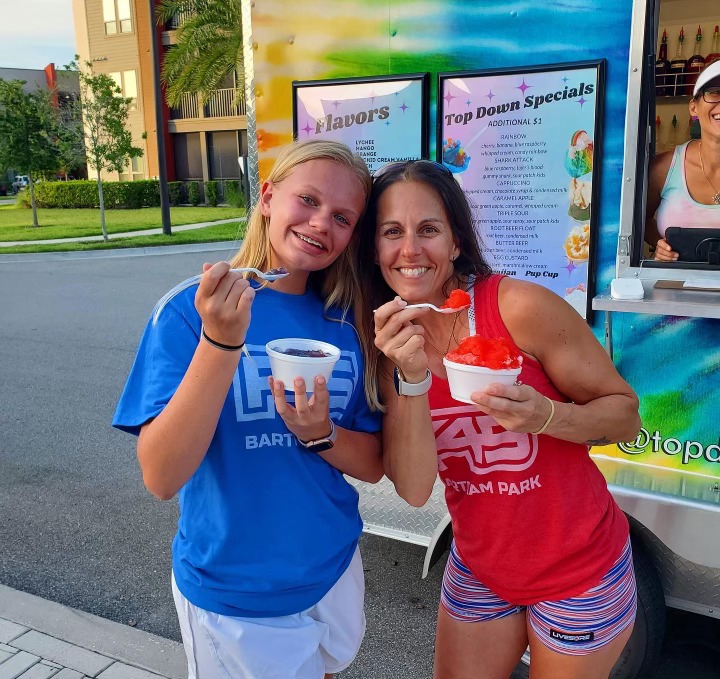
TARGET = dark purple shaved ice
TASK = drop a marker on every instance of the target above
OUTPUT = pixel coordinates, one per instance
(305, 353)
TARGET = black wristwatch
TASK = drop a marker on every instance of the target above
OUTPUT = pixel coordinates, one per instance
(319, 445)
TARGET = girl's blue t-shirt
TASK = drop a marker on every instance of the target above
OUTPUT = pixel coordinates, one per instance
(266, 528)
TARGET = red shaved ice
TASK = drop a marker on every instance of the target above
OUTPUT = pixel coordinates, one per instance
(498, 353)
(458, 299)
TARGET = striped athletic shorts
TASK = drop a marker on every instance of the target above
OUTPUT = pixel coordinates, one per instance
(575, 626)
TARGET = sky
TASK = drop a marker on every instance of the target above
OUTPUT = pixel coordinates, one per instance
(34, 33)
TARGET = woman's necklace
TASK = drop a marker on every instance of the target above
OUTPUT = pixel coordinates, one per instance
(716, 197)
(450, 339)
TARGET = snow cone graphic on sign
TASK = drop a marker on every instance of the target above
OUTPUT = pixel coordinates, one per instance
(579, 193)
(454, 156)
(579, 156)
(578, 163)
(577, 244)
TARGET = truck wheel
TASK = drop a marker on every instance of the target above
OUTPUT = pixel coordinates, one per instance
(642, 651)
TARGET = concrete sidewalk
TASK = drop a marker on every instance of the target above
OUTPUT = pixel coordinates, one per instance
(40, 639)
(113, 236)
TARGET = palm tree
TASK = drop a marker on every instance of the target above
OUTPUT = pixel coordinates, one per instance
(209, 47)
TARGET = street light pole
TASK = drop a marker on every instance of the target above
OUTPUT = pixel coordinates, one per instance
(159, 124)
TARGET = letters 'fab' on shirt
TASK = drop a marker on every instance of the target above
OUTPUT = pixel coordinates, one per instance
(266, 528)
(532, 516)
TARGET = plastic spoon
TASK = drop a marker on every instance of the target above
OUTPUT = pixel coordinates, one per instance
(440, 310)
(271, 275)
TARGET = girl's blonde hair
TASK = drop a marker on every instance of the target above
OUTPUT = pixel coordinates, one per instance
(339, 284)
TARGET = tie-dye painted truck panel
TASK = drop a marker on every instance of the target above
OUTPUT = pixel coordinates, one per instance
(673, 363)
(668, 479)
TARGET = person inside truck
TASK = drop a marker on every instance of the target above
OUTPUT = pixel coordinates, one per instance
(684, 184)
(541, 553)
(267, 576)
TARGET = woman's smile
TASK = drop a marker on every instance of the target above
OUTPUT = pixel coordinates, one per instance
(415, 272)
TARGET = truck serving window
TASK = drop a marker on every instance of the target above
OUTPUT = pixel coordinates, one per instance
(674, 200)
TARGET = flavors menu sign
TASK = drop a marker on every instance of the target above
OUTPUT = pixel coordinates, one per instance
(523, 145)
(381, 119)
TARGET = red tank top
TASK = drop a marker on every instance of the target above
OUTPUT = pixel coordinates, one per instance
(532, 515)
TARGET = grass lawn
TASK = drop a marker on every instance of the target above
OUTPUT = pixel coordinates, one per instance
(232, 232)
(16, 223)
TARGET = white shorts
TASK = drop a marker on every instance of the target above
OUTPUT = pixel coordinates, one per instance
(307, 645)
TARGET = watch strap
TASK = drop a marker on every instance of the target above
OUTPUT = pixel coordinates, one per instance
(404, 388)
(324, 443)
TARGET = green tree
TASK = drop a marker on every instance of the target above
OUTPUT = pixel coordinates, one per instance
(209, 47)
(108, 143)
(72, 137)
(28, 134)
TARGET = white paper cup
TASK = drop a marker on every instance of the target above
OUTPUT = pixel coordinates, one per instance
(464, 379)
(287, 368)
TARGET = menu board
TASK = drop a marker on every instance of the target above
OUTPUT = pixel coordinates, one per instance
(381, 119)
(523, 144)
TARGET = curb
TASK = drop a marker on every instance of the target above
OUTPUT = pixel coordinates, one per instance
(120, 642)
(230, 246)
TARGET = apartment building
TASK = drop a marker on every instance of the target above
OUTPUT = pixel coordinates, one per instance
(62, 84)
(203, 139)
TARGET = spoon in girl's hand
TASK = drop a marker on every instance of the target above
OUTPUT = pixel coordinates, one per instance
(440, 310)
(271, 275)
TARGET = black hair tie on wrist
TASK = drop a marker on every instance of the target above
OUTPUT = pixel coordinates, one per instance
(219, 345)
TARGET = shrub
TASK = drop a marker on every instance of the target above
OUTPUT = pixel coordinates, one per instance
(193, 190)
(175, 192)
(23, 199)
(149, 192)
(212, 191)
(84, 194)
(234, 195)
(134, 194)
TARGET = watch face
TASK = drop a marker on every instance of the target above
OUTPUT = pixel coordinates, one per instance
(320, 446)
(396, 380)
(404, 389)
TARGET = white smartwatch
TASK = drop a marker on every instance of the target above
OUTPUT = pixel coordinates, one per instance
(404, 388)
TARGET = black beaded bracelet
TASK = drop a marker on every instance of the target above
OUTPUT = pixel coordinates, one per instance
(219, 345)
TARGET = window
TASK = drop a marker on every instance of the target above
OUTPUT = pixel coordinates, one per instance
(134, 171)
(130, 84)
(123, 15)
(117, 17)
(117, 77)
(137, 168)
(127, 82)
(661, 101)
(188, 156)
(223, 155)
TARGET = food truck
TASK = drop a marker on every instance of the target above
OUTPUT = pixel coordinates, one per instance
(549, 113)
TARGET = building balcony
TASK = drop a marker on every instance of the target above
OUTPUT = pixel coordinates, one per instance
(218, 105)
(188, 108)
(176, 21)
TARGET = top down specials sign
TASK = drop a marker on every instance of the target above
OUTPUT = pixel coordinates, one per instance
(523, 145)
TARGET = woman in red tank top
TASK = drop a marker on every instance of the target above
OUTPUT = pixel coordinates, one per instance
(541, 553)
